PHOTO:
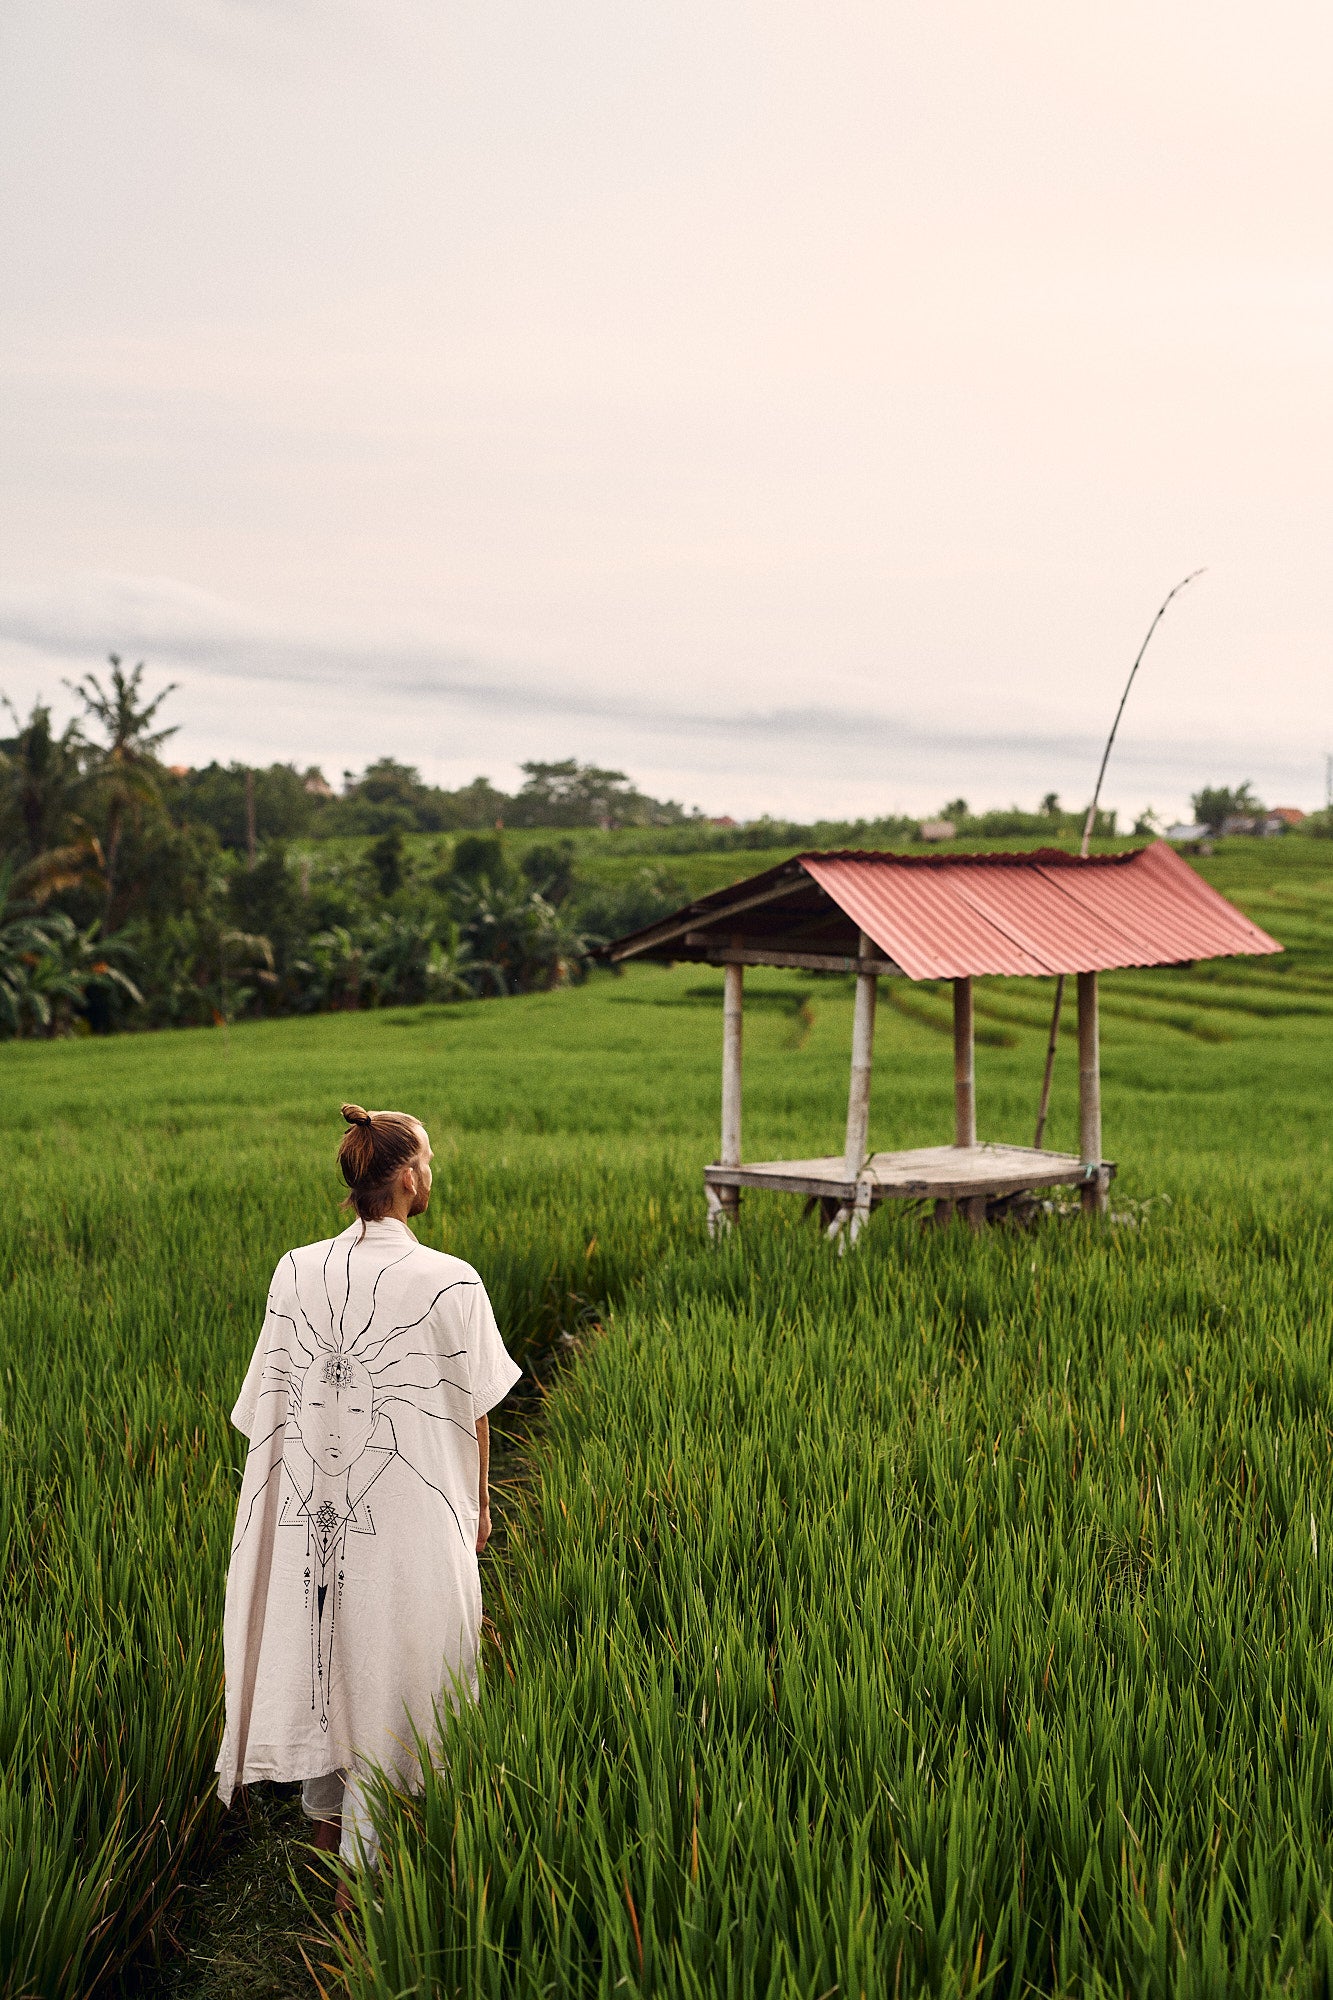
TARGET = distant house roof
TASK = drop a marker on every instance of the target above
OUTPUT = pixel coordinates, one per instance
(952, 916)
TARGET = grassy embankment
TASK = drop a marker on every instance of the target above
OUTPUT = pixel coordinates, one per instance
(956, 1610)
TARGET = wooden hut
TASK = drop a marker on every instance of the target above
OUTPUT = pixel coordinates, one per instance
(940, 916)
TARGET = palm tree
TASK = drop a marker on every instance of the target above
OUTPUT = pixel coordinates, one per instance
(128, 756)
(44, 777)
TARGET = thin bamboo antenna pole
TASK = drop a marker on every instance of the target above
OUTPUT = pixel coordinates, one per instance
(1091, 820)
(1045, 1104)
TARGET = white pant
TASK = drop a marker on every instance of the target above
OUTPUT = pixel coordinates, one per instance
(340, 1795)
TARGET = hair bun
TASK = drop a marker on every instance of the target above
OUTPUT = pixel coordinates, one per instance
(355, 1115)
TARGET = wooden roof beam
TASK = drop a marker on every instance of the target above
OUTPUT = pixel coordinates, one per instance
(797, 961)
(690, 919)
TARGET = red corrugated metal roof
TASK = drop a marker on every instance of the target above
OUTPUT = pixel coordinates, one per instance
(952, 916)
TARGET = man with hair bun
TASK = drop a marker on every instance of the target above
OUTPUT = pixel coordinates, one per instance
(353, 1597)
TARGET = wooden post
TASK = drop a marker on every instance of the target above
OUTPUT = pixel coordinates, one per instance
(863, 1055)
(849, 1218)
(724, 1203)
(733, 999)
(964, 1073)
(1093, 1193)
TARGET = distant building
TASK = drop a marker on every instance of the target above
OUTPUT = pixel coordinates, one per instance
(936, 829)
(1261, 824)
(724, 819)
(179, 770)
(318, 785)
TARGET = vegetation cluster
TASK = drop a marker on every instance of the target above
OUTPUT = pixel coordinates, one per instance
(138, 894)
(947, 1616)
(389, 797)
(132, 895)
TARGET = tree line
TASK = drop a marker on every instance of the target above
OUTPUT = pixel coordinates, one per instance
(245, 805)
(137, 894)
(134, 895)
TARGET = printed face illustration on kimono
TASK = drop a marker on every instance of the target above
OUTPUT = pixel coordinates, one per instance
(335, 1420)
(353, 1598)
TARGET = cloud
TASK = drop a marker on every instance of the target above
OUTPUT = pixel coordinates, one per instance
(178, 627)
(255, 689)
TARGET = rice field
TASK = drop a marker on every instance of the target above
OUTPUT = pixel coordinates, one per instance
(948, 1617)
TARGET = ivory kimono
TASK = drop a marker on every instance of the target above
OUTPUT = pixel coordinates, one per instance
(353, 1597)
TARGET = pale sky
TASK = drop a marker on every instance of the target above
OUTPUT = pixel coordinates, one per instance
(803, 408)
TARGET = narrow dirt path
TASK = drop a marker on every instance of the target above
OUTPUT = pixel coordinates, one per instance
(239, 1930)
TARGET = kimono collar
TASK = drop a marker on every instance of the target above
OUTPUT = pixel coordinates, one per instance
(387, 1230)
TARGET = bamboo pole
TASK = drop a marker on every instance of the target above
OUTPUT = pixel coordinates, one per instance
(724, 1203)
(1090, 823)
(1044, 1103)
(1093, 1195)
(863, 1055)
(733, 1000)
(964, 1067)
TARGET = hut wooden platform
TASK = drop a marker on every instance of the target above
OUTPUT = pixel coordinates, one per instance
(964, 1176)
(950, 917)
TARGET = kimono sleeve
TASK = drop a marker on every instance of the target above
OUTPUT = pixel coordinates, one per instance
(494, 1371)
(247, 1403)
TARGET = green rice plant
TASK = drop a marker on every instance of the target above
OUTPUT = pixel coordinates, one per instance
(949, 1614)
(953, 1615)
(932, 1010)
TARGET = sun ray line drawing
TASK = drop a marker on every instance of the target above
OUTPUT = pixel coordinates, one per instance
(324, 1273)
(267, 1435)
(275, 1314)
(436, 1417)
(374, 1291)
(342, 1317)
(443, 1383)
(260, 1489)
(408, 1325)
(414, 1354)
(436, 1489)
(318, 1339)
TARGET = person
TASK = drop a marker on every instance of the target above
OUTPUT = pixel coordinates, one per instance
(353, 1610)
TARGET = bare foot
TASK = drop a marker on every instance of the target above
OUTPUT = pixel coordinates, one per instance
(342, 1901)
(328, 1835)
